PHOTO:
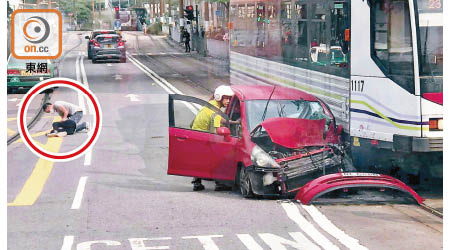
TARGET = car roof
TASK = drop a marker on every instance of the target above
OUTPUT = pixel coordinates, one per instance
(262, 92)
(103, 31)
(107, 35)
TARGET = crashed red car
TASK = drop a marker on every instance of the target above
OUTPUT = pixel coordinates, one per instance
(285, 138)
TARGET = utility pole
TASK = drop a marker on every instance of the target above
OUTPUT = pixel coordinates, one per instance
(181, 12)
(161, 9)
(93, 14)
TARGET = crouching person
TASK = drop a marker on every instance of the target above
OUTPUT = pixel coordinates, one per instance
(70, 117)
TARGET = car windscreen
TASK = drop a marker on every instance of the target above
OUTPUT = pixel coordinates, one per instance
(95, 34)
(108, 39)
(301, 109)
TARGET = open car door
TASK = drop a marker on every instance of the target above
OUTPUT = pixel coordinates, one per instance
(196, 153)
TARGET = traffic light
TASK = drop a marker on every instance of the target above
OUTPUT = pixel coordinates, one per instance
(117, 12)
(189, 12)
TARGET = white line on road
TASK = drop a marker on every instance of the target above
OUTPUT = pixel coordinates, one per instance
(206, 241)
(249, 242)
(88, 154)
(67, 243)
(294, 214)
(80, 96)
(79, 194)
(133, 97)
(163, 83)
(330, 228)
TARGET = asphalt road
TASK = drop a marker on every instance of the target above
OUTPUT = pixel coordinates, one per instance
(118, 195)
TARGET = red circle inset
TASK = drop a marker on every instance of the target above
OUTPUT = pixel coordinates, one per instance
(44, 85)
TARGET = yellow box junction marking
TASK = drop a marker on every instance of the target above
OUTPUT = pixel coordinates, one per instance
(36, 182)
(10, 131)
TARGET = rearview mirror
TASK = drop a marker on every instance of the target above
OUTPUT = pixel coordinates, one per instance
(86, 37)
(225, 132)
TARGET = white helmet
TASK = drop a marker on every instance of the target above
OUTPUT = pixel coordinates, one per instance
(221, 91)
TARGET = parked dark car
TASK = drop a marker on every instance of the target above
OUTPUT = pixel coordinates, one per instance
(93, 35)
(109, 48)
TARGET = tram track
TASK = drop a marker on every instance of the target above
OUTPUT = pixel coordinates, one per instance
(432, 211)
(34, 120)
(167, 69)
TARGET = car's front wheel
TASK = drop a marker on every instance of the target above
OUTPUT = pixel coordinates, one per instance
(245, 183)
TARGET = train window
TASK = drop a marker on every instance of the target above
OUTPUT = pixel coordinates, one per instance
(286, 10)
(241, 11)
(301, 52)
(392, 42)
(250, 10)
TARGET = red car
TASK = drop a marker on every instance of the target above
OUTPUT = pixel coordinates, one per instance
(287, 141)
(285, 138)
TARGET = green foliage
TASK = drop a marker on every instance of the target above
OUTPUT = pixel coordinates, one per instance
(81, 10)
(155, 29)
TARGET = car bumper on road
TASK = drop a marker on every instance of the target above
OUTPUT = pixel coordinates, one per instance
(109, 54)
(294, 174)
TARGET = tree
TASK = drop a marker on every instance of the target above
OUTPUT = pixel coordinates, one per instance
(81, 10)
(9, 9)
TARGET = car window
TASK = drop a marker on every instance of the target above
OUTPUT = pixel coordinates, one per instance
(108, 39)
(184, 111)
(300, 109)
(235, 115)
(95, 34)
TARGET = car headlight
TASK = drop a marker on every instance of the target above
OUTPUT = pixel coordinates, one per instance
(262, 159)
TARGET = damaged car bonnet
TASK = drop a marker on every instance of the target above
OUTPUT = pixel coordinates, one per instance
(293, 132)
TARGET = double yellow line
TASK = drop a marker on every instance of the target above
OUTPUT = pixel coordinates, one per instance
(36, 182)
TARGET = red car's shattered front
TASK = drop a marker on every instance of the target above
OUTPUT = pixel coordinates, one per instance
(301, 149)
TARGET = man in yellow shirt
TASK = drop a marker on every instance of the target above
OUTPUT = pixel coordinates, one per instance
(208, 121)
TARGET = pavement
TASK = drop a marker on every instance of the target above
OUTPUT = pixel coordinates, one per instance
(118, 194)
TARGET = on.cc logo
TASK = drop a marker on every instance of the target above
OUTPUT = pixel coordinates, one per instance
(36, 29)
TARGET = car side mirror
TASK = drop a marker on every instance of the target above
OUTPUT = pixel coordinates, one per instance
(86, 37)
(339, 130)
(225, 132)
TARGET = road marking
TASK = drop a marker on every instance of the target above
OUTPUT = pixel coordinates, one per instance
(87, 244)
(80, 96)
(10, 119)
(206, 241)
(138, 243)
(10, 131)
(194, 108)
(88, 154)
(35, 183)
(294, 214)
(277, 242)
(249, 242)
(34, 136)
(109, 64)
(330, 228)
(67, 242)
(79, 194)
(117, 77)
(14, 100)
(133, 97)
